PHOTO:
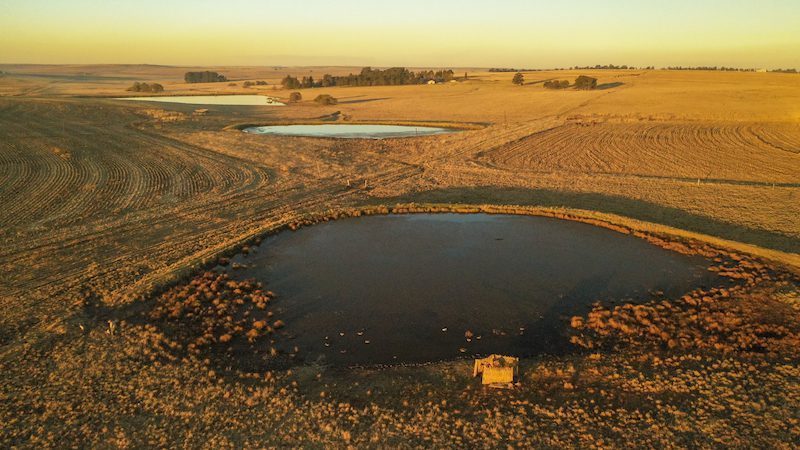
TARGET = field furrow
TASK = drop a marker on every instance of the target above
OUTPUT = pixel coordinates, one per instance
(681, 150)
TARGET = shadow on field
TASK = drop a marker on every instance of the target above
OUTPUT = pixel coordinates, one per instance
(365, 100)
(604, 86)
(635, 209)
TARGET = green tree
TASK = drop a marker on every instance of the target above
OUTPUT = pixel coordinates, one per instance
(518, 79)
(290, 82)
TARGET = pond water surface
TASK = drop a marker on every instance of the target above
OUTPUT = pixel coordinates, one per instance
(235, 100)
(351, 131)
(406, 288)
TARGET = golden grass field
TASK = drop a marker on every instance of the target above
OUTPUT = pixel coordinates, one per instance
(104, 202)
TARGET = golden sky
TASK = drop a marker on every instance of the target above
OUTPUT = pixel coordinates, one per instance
(510, 33)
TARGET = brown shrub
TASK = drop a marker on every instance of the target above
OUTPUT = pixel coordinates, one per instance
(325, 99)
(211, 304)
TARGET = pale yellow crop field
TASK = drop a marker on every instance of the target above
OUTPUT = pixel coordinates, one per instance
(105, 202)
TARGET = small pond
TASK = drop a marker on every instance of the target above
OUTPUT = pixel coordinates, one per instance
(234, 100)
(406, 288)
(349, 131)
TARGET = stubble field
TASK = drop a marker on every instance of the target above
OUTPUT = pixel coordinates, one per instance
(104, 204)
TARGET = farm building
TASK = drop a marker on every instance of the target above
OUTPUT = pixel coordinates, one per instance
(497, 370)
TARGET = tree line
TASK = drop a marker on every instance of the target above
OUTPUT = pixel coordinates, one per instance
(722, 69)
(627, 67)
(508, 69)
(370, 77)
(595, 67)
(609, 67)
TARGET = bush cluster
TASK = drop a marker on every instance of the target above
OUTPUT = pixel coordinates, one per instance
(325, 99)
(215, 310)
(248, 84)
(145, 87)
(204, 77)
(556, 84)
(584, 82)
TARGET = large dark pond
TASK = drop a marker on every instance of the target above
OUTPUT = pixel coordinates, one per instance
(406, 288)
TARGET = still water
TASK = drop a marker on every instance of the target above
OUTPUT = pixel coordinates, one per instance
(406, 288)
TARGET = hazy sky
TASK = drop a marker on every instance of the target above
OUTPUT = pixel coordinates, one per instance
(518, 33)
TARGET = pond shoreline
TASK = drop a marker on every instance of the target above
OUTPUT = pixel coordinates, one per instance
(406, 288)
(270, 349)
(205, 99)
(349, 131)
(457, 126)
(662, 234)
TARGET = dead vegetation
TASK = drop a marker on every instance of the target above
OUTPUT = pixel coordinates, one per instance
(110, 200)
(161, 115)
(215, 312)
(713, 320)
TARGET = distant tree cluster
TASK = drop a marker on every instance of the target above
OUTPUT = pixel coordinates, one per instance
(248, 84)
(204, 77)
(627, 67)
(325, 99)
(518, 79)
(603, 67)
(586, 83)
(556, 84)
(290, 82)
(146, 87)
(597, 67)
(508, 69)
(723, 68)
(370, 77)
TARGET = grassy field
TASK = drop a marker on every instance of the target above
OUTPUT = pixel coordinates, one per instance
(103, 202)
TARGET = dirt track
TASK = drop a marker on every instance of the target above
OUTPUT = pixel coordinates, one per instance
(107, 201)
(120, 197)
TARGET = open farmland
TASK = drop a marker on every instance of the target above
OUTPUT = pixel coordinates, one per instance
(728, 152)
(106, 204)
